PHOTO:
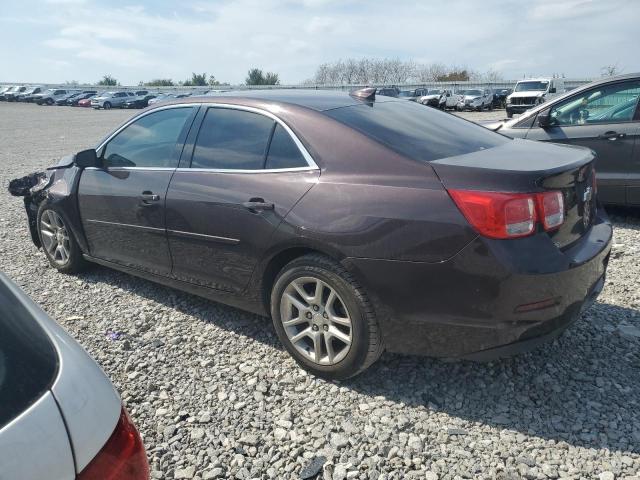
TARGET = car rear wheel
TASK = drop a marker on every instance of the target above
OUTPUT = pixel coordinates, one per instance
(107, 105)
(58, 242)
(49, 101)
(324, 319)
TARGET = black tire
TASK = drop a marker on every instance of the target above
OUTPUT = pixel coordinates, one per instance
(366, 343)
(509, 114)
(49, 101)
(75, 261)
(107, 105)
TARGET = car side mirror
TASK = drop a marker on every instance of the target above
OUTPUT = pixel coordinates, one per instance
(552, 90)
(86, 158)
(544, 119)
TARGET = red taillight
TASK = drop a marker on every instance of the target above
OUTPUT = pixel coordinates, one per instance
(509, 215)
(122, 457)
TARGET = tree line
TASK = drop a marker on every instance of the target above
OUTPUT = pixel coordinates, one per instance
(362, 71)
(255, 76)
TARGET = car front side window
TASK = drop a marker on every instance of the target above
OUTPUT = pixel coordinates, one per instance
(606, 104)
(149, 141)
(231, 139)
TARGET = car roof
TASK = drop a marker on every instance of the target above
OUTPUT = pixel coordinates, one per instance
(319, 100)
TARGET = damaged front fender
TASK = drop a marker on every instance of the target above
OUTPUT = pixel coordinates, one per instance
(56, 186)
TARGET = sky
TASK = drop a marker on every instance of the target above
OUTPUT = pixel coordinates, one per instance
(53, 41)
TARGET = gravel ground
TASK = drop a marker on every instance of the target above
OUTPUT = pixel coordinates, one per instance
(215, 396)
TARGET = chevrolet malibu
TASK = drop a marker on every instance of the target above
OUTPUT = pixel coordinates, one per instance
(359, 224)
(61, 418)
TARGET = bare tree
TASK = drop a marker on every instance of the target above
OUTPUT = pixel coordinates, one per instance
(610, 70)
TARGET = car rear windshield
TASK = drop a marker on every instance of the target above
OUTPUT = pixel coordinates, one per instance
(28, 360)
(416, 131)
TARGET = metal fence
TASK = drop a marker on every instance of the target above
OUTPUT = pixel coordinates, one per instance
(569, 84)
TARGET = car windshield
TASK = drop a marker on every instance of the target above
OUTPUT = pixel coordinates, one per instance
(422, 134)
(531, 86)
(28, 360)
(406, 93)
(434, 92)
(473, 92)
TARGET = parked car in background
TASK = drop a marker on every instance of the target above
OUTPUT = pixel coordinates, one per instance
(57, 401)
(432, 97)
(49, 96)
(500, 97)
(85, 102)
(70, 95)
(450, 100)
(476, 99)
(4, 89)
(388, 91)
(139, 101)
(32, 90)
(87, 94)
(108, 100)
(164, 97)
(604, 116)
(532, 92)
(10, 94)
(254, 224)
(412, 95)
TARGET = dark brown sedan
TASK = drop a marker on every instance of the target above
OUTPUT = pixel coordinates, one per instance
(358, 224)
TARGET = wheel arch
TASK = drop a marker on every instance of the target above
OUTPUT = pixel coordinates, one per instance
(275, 262)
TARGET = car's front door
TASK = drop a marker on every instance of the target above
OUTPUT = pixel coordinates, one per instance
(605, 119)
(122, 203)
(243, 172)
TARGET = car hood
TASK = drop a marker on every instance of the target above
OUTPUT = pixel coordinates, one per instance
(530, 93)
(472, 97)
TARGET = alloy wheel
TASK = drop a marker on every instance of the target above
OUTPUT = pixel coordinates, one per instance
(316, 320)
(55, 237)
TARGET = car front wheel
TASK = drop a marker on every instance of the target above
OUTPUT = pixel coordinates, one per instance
(106, 105)
(324, 319)
(58, 242)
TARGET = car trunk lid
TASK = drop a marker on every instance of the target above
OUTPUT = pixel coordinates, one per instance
(522, 166)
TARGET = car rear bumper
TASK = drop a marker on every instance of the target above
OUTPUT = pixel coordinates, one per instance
(494, 298)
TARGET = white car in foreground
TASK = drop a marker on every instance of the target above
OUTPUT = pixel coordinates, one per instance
(60, 417)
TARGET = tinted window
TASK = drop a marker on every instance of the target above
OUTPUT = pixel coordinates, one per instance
(283, 152)
(28, 360)
(232, 139)
(149, 141)
(420, 133)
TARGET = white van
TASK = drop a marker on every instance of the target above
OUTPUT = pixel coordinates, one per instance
(531, 92)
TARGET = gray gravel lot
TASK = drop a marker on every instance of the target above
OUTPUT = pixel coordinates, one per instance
(215, 396)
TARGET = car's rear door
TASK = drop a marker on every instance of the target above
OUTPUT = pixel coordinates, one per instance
(241, 173)
(122, 204)
(605, 119)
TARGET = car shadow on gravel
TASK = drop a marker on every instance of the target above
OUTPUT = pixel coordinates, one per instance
(583, 389)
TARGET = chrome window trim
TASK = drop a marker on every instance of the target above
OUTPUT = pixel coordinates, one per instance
(311, 164)
(232, 170)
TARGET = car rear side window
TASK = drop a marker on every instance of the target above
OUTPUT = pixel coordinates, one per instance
(28, 360)
(283, 152)
(416, 131)
(232, 139)
(149, 141)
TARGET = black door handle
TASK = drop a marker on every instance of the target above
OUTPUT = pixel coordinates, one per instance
(257, 205)
(611, 135)
(148, 197)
